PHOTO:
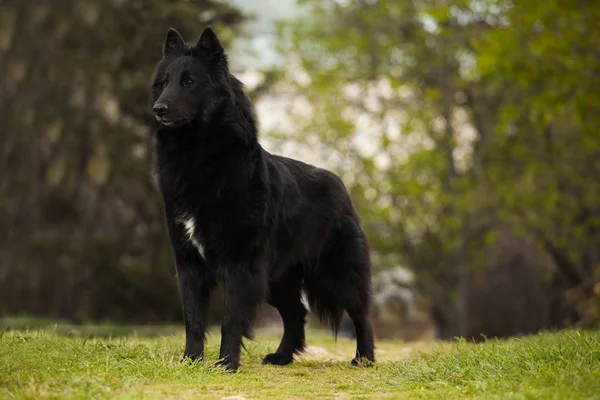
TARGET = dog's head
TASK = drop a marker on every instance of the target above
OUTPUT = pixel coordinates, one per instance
(191, 80)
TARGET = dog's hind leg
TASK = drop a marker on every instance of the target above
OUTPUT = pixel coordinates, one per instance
(342, 281)
(364, 336)
(286, 297)
(244, 290)
(356, 259)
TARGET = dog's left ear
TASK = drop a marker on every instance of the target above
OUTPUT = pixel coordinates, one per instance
(209, 42)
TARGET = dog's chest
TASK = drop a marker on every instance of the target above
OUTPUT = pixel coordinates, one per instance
(191, 233)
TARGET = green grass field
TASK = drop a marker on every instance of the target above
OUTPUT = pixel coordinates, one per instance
(49, 364)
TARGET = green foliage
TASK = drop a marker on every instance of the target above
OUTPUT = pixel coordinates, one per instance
(40, 364)
(484, 115)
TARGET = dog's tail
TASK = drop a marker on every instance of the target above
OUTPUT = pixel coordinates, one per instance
(340, 280)
(322, 305)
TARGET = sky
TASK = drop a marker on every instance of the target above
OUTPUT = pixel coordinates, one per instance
(262, 29)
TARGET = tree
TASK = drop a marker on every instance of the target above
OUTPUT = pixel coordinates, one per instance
(549, 131)
(439, 119)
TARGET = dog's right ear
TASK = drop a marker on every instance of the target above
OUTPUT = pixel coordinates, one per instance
(174, 44)
(208, 43)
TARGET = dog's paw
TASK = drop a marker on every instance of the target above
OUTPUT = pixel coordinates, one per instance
(277, 359)
(191, 357)
(226, 365)
(362, 362)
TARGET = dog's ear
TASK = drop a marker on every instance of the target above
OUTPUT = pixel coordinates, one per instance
(208, 43)
(174, 44)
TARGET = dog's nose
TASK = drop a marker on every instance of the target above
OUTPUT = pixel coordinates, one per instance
(160, 109)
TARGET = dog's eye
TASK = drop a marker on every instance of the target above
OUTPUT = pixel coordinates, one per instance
(161, 84)
(188, 82)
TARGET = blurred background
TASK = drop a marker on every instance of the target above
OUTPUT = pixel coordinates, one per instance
(467, 131)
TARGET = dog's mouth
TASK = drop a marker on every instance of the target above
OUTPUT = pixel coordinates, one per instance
(167, 122)
(172, 123)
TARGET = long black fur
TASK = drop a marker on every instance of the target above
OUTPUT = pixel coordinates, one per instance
(267, 226)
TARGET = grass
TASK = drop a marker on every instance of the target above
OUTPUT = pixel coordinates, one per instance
(45, 364)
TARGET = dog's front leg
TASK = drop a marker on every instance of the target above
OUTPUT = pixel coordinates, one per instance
(195, 286)
(196, 281)
(244, 289)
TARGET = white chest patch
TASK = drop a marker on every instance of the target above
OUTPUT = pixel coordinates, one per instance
(190, 228)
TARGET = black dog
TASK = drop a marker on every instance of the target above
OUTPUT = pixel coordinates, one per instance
(266, 226)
